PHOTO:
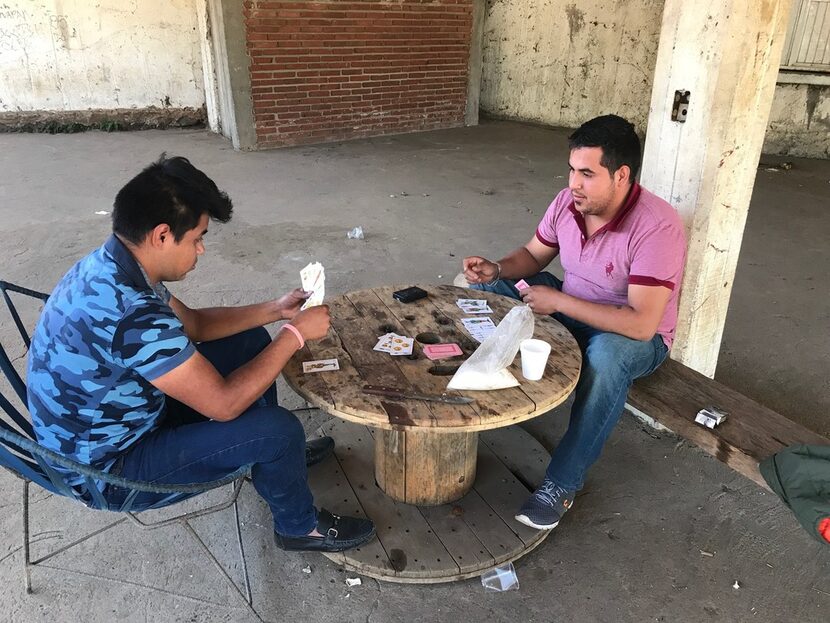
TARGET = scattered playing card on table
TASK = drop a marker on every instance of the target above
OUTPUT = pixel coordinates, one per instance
(313, 279)
(474, 306)
(385, 342)
(479, 328)
(321, 365)
(442, 351)
(395, 344)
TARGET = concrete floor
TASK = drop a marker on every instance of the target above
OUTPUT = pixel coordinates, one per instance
(636, 545)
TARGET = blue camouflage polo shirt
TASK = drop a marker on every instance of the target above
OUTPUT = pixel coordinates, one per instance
(104, 334)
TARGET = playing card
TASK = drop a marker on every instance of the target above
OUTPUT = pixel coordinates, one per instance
(442, 351)
(401, 345)
(479, 328)
(320, 365)
(384, 341)
(313, 279)
(521, 284)
(474, 306)
(394, 344)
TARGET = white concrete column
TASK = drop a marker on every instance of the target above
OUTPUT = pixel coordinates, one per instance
(474, 64)
(233, 108)
(727, 54)
(208, 66)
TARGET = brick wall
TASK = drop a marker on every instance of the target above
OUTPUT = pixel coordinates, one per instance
(323, 71)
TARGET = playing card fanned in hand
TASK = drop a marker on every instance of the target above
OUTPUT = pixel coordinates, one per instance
(313, 279)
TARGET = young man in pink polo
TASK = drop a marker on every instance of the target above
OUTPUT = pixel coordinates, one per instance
(622, 251)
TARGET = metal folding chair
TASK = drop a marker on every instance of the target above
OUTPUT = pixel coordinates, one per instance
(22, 455)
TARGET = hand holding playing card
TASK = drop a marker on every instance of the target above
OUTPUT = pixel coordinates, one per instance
(289, 304)
(313, 323)
(479, 270)
(541, 299)
(313, 279)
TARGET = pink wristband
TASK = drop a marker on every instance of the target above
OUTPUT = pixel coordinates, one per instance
(295, 331)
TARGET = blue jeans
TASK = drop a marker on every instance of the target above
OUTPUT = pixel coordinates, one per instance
(610, 363)
(187, 448)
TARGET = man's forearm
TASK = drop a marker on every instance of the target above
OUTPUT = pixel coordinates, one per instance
(621, 319)
(519, 264)
(198, 384)
(213, 323)
(247, 383)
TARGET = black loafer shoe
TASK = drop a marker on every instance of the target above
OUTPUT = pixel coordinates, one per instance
(339, 533)
(318, 449)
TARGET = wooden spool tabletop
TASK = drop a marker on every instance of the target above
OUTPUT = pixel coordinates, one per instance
(414, 463)
(358, 318)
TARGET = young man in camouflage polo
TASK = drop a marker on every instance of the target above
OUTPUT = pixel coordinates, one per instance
(126, 378)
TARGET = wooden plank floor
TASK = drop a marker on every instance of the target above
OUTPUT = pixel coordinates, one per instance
(439, 543)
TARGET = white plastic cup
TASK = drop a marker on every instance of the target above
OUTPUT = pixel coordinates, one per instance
(534, 358)
(500, 579)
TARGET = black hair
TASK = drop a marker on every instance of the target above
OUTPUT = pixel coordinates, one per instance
(615, 136)
(170, 191)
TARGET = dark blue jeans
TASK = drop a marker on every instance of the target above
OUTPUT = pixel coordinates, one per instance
(610, 363)
(188, 448)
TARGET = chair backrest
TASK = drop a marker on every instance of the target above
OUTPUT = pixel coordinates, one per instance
(21, 453)
(17, 429)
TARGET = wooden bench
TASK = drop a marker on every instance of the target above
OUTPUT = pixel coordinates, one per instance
(674, 394)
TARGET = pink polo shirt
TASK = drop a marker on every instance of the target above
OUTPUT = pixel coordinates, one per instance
(645, 244)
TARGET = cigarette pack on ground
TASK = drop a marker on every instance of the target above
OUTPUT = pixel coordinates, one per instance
(710, 417)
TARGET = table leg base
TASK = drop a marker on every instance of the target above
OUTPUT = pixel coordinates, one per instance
(432, 544)
(425, 468)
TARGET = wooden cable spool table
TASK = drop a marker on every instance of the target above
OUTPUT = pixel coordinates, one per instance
(443, 503)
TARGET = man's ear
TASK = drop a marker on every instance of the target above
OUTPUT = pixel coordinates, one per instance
(623, 175)
(160, 235)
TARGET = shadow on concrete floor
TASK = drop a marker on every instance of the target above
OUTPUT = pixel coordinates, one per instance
(636, 546)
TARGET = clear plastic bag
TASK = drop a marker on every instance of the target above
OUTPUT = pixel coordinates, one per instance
(487, 366)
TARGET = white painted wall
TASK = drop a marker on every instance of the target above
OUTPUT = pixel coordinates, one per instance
(799, 123)
(561, 62)
(61, 55)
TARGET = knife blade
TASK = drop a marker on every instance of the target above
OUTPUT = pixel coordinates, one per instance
(394, 392)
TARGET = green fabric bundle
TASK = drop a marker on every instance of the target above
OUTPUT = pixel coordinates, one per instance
(800, 475)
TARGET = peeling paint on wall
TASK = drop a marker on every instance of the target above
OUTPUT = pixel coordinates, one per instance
(799, 123)
(561, 63)
(64, 55)
(576, 20)
(813, 97)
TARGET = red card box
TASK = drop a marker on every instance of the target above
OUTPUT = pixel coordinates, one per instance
(442, 351)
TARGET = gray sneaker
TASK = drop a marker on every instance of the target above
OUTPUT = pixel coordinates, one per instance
(544, 509)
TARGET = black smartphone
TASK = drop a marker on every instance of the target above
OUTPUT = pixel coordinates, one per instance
(407, 295)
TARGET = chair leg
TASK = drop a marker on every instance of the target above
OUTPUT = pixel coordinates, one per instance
(242, 553)
(221, 569)
(27, 580)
